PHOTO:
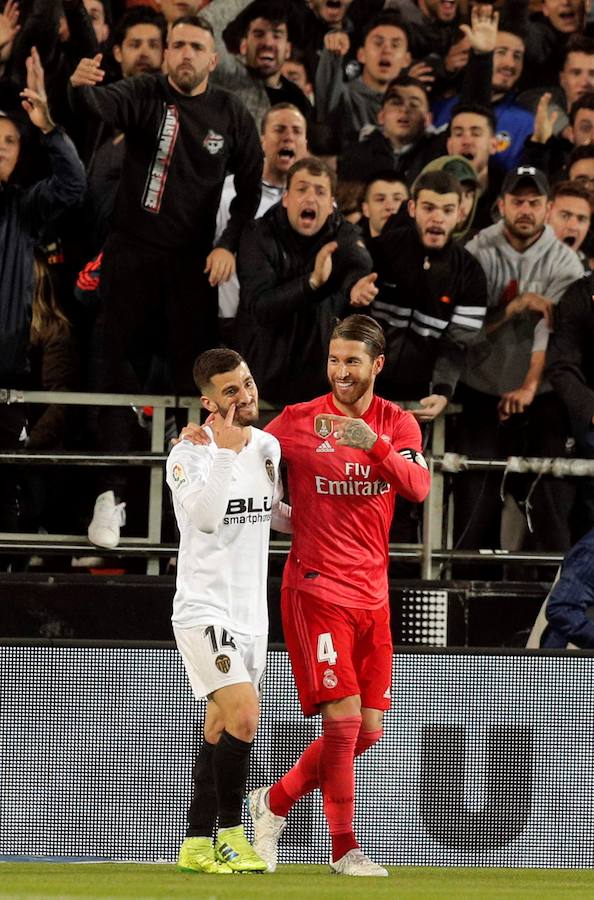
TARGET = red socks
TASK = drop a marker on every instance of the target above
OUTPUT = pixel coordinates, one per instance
(337, 780)
(304, 776)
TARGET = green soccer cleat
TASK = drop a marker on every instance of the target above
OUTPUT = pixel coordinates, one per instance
(233, 848)
(197, 854)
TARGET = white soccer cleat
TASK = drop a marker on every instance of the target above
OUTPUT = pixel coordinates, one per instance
(108, 518)
(356, 863)
(267, 827)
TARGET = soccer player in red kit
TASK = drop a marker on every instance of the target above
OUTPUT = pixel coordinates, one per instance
(348, 455)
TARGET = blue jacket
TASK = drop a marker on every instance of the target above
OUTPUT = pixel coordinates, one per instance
(570, 598)
(24, 212)
(514, 125)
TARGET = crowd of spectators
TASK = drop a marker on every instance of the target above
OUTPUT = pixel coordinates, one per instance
(179, 175)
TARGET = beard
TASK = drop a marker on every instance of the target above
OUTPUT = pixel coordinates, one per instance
(188, 79)
(243, 415)
(350, 396)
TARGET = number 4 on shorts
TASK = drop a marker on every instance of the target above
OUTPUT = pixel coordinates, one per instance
(326, 651)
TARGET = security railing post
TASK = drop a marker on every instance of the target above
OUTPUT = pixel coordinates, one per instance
(155, 512)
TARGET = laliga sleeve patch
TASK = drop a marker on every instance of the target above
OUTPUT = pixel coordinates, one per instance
(414, 456)
(178, 474)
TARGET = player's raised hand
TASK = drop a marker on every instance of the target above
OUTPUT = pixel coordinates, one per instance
(227, 435)
(353, 433)
(34, 97)
(88, 72)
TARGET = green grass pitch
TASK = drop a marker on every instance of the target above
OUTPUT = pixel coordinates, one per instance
(35, 881)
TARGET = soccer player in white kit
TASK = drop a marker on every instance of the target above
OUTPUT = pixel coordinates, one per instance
(225, 496)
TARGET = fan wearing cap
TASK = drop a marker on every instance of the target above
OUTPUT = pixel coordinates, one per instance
(527, 270)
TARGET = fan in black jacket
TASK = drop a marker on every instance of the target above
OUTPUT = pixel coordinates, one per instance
(300, 266)
(432, 296)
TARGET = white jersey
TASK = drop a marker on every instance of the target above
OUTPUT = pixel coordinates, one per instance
(271, 194)
(221, 576)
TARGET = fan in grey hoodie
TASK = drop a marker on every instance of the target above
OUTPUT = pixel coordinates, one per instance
(519, 283)
(527, 270)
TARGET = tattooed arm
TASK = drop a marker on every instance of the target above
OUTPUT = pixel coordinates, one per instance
(404, 468)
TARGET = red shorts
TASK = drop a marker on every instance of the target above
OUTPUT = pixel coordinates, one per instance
(337, 651)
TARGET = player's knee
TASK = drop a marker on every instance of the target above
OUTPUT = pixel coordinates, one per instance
(243, 722)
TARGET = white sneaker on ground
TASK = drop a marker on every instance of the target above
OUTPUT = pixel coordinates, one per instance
(267, 827)
(104, 530)
(356, 863)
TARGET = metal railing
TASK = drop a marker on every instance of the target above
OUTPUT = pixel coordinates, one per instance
(431, 553)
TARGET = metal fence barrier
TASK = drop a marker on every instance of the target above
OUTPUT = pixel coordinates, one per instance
(431, 553)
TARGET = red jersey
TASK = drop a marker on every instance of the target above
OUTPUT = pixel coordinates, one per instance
(343, 499)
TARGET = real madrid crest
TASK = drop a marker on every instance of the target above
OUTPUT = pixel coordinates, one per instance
(270, 470)
(223, 663)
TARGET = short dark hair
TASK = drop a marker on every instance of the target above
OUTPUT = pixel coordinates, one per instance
(577, 43)
(313, 166)
(573, 189)
(277, 108)
(364, 329)
(214, 362)
(441, 182)
(586, 151)
(475, 109)
(387, 17)
(402, 80)
(586, 101)
(195, 21)
(389, 175)
(511, 25)
(274, 11)
(139, 15)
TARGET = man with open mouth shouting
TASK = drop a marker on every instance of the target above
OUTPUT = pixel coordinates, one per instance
(299, 266)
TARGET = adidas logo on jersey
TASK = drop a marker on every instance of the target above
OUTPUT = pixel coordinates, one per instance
(325, 447)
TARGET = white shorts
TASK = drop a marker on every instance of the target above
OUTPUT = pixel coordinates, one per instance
(214, 658)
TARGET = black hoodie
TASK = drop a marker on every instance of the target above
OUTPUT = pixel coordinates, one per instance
(284, 322)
